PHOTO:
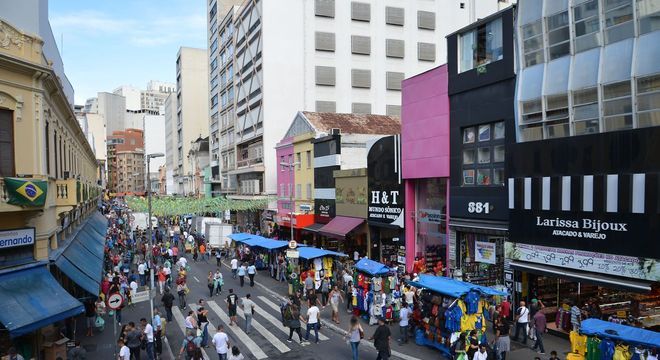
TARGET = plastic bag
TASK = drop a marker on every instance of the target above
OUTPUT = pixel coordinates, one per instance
(99, 322)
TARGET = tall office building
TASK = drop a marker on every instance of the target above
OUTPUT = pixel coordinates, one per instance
(171, 151)
(192, 88)
(314, 55)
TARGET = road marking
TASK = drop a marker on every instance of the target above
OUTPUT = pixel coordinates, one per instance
(178, 316)
(267, 334)
(247, 341)
(277, 308)
(196, 279)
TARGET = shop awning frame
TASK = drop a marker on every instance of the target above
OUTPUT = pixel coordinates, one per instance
(372, 267)
(596, 279)
(339, 226)
(452, 287)
(315, 227)
(310, 252)
(32, 298)
(627, 334)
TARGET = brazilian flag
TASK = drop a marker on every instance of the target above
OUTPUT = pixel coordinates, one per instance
(26, 192)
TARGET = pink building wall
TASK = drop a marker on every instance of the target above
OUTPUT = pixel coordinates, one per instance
(286, 177)
(424, 140)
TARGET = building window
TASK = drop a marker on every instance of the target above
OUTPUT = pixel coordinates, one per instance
(531, 118)
(360, 11)
(425, 51)
(556, 116)
(7, 165)
(426, 20)
(395, 48)
(618, 20)
(532, 35)
(289, 188)
(326, 106)
(585, 111)
(558, 35)
(393, 110)
(394, 15)
(481, 46)
(214, 45)
(298, 160)
(282, 166)
(325, 8)
(586, 26)
(648, 15)
(214, 101)
(325, 75)
(361, 78)
(309, 159)
(360, 45)
(309, 191)
(648, 101)
(393, 80)
(298, 191)
(324, 41)
(617, 106)
(282, 190)
(483, 154)
(361, 108)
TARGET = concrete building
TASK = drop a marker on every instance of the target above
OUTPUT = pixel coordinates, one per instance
(171, 151)
(191, 112)
(154, 138)
(126, 167)
(322, 55)
(113, 109)
(153, 99)
(47, 183)
(132, 95)
(198, 157)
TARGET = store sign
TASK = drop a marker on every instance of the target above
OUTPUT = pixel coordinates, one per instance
(451, 248)
(385, 186)
(618, 265)
(16, 237)
(619, 233)
(484, 252)
(292, 254)
(429, 216)
(324, 208)
(305, 207)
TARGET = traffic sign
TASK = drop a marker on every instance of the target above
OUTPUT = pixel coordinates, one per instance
(293, 244)
(115, 301)
(292, 254)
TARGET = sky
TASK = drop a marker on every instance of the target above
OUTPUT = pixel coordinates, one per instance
(108, 43)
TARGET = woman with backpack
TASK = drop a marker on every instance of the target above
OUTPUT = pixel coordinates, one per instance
(292, 317)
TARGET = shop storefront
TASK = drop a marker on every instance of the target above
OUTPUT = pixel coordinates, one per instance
(426, 169)
(482, 118)
(385, 202)
(300, 222)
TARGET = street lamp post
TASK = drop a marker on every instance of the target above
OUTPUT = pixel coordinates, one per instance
(150, 239)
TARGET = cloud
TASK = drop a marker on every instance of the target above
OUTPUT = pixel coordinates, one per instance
(88, 20)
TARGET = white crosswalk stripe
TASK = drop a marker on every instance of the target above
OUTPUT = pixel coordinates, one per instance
(266, 334)
(242, 336)
(181, 321)
(275, 307)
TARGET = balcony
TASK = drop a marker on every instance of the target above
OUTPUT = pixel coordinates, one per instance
(5, 206)
(249, 162)
(67, 192)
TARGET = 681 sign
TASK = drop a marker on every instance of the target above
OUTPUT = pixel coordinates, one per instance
(477, 207)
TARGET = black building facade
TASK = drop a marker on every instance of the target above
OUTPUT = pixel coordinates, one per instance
(481, 94)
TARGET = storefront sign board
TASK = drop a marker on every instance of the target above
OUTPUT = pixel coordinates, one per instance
(385, 198)
(429, 216)
(484, 252)
(16, 237)
(618, 265)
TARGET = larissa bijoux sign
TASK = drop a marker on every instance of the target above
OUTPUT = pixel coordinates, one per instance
(16, 237)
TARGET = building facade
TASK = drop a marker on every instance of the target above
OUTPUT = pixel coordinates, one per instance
(333, 56)
(582, 173)
(126, 166)
(191, 112)
(171, 150)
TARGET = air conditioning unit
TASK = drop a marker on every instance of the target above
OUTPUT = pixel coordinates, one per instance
(335, 131)
(66, 175)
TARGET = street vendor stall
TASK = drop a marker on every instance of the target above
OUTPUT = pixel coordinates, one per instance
(598, 339)
(371, 267)
(449, 307)
(376, 291)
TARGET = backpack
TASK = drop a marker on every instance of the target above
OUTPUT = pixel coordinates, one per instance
(191, 347)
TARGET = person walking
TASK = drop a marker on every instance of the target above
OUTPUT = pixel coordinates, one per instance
(90, 316)
(335, 298)
(190, 346)
(221, 342)
(248, 309)
(381, 338)
(203, 322)
(157, 323)
(148, 332)
(133, 340)
(162, 277)
(325, 291)
(232, 303)
(234, 267)
(313, 319)
(355, 334)
(142, 268)
(168, 302)
(210, 283)
(218, 281)
(293, 321)
(241, 274)
(235, 354)
(539, 329)
(251, 271)
(77, 352)
(502, 343)
(404, 318)
(124, 351)
(522, 320)
(218, 258)
(181, 289)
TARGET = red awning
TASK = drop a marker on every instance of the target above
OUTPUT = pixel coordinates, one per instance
(339, 226)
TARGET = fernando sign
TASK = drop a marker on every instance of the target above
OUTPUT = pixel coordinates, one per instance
(16, 237)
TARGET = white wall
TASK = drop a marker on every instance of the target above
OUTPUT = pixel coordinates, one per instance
(154, 138)
(132, 95)
(113, 109)
(96, 125)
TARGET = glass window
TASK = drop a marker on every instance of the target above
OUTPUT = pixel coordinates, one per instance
(483, 177)
(499, 130)
(481, 46)
(531, 111)
(648, 101)
(649, 16)
(498, 176)
(468, 157)
(468, 177)
(498, 153)
(531, 132)
(557, 129)
(297, 161)
(587, 25)
(468, 136)
(533, 43)
(585, 111)
(558, 35)
(484, 155)
(617, 106)
(484, 132)
(618, 20)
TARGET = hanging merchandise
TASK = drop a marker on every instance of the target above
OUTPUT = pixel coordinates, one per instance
(598, 339)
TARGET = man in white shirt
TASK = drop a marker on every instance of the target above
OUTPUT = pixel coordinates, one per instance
(182, 262)
(313, 319)
(234, 267)
(124, 351)
(356, 255)
(522, 319)
(404, 316)
(221, 342)
(149, 336)
(142, 268)
(134, 287)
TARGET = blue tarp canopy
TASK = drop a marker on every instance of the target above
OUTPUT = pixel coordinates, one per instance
(240, 237)
(267, 243)
(32, 299)
(451, 287)
(82, 258)
(309, 252)
(371, 267)
(628, 334)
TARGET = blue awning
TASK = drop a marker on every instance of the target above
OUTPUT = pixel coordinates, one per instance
(240, 237)
(371, 267)
(78, 276)
(451, 287)
(312, 253)
(628, 334)
(32, 299)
